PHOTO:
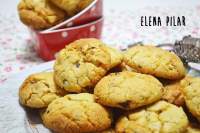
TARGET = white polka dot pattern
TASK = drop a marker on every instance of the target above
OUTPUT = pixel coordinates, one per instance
(64, 34)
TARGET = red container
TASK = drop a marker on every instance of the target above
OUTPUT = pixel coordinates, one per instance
(48, 43)
(91, 13)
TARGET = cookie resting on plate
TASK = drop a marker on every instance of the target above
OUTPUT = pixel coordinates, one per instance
(191, 93)
(110, 130)
(38, 90)
(155, 61)
(161, 117)
(83, 63)
(128, 90)
(124, 67)
(76, 113)
(193, 129)
(40, 14)
(173, 94)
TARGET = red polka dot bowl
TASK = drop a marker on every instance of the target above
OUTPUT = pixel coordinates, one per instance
(48, 43)
(91, 13)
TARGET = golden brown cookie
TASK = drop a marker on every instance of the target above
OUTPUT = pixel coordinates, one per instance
(116, 57)
(193, 128)
(72, 7)
(38, 90)
(155, 61)
(84, 3)
(161, 117)
(110, 130)
(191, 91)
(124, 67)
(69, 6)
(173, 94)
(39, 14)
(76, 113)
(126, 126)
(128, 90)
(83, 63)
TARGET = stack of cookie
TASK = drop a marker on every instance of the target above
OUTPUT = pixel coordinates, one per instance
(43, 14)
(97, 89)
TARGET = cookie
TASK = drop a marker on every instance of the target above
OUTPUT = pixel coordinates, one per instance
(123, 67)
(173, 94)
(125, 126)
(155, 61)
(72, 7)
(83, 63)
(39, 14)
(69, 6)
(76, 113)
(110, 130)
(193, 129)
(191, 92)
(116, 57)
(128, 90)
(161, 117)
(84, 3)
(38, 90)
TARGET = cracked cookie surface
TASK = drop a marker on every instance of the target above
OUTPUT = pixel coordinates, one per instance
(173, 94)
(161, 117)
(76, 113)
(39, 14)
(128, 90)
(38, 90)
(72, 7)
(191, 92)
(155, 61)
(69, 6)
(83, 63)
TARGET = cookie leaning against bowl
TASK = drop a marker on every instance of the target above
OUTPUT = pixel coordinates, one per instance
(84, 3)
(161, 117)
(83, 63)
(128, 90)
(76, 113)
(155, 61)
(38, 90)
(191, 93)
(39, 14)
(72, 7)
